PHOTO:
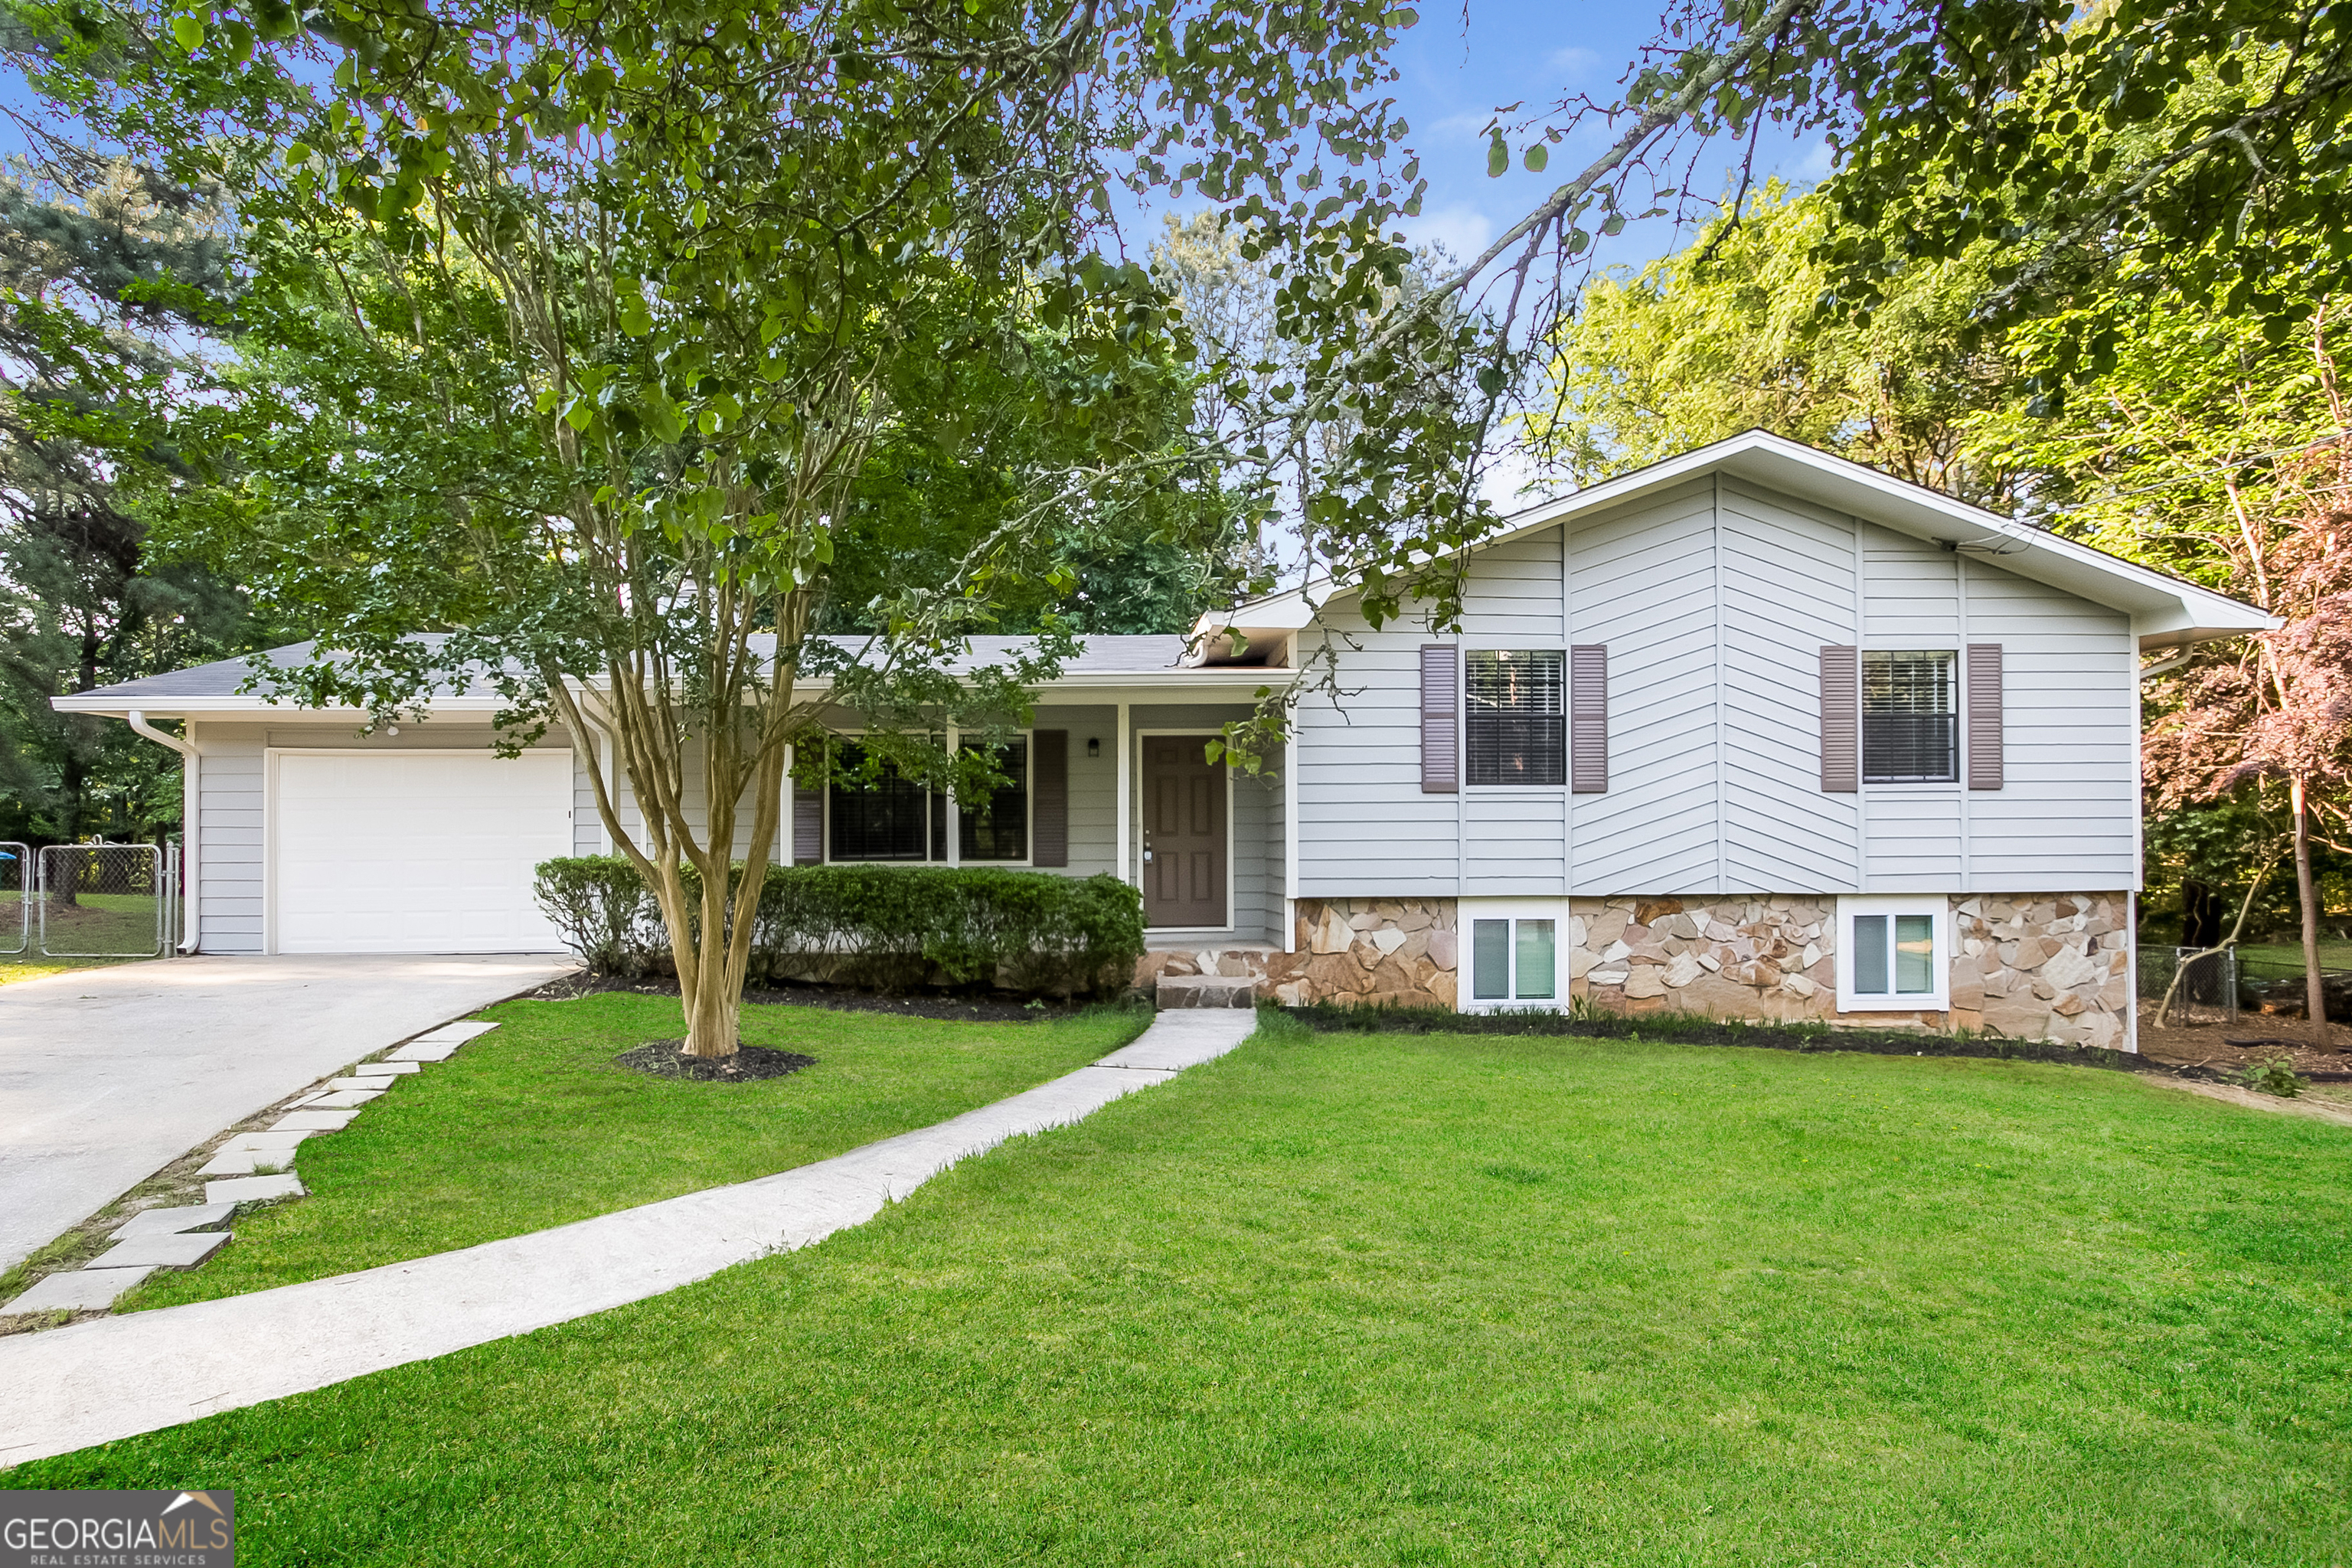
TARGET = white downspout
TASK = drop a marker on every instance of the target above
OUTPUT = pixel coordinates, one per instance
(191, 817)
(1124, 836)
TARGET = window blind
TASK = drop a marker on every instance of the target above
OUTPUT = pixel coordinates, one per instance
(1517, 729)
(1910, 720)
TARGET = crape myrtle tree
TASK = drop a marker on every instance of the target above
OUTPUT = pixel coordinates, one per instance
(571, 333)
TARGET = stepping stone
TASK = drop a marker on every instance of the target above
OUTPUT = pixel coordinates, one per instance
(172, 1222)
(309, 1099)
(269, 1142)
(380, 1070)
(256, 1189)
(459, 1032)
(249, 1152)
(426, 1051)
(313, 1122)
(161, 1251)
(367, 1086)
(341, 1100)
(78, 1290)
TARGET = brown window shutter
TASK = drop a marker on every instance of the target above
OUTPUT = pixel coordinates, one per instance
(1588, 718)
(1984, 715)
(1441, 740)
(1840, 719)
(1049, 797)
(808, 824)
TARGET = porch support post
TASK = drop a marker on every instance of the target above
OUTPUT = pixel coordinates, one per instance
(1126, 810)
(1290, 837)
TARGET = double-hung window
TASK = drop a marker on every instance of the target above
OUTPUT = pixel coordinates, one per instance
(995, 827)
(884, 817)
(1894, 955)
(1910, 717)
(1513, 960)
(1517, 726)
(888, 818)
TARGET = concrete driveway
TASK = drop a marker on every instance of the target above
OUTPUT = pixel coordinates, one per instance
(108, 1075)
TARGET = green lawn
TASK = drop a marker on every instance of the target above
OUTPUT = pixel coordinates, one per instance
(2332, 954)
(95, 929)
(532, 1126)
(1346, 1299)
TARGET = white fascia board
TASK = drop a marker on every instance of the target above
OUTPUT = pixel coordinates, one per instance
(2165, 610)
(109, 706)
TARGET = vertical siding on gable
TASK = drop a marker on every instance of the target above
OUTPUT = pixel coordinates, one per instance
(229, 799)
(1643, 581)
(1789, 588)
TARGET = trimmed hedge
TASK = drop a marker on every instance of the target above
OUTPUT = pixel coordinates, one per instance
(885, 926)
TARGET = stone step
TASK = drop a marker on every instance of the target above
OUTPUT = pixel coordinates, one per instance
(1206, 990)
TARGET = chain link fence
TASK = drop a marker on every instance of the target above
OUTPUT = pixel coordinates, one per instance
(2207, 991)
(104, 901)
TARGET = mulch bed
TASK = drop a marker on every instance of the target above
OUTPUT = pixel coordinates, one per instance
(963, 1009)
(2251, 1041)
(750, 1063)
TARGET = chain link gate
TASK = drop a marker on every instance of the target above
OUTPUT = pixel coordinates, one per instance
(105, 901)
(16, 877)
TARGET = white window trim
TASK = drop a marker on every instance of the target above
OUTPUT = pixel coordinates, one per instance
(1934, 904)
(1468, 911)
(1959, 715)
(955, 820)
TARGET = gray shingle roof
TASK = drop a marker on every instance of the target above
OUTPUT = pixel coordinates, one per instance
(227, 677)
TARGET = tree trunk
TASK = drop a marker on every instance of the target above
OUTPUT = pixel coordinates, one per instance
(2315, 984)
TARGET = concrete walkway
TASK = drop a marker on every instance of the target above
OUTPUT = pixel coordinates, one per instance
(114, 1377)
(108, 1075)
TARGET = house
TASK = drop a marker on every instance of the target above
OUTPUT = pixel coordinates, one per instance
(1754, 732)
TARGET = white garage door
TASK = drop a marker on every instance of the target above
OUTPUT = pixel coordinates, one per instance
(415, 851)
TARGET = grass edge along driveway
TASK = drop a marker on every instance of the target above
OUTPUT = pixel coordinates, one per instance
(532, 1126)
(1341, 1299)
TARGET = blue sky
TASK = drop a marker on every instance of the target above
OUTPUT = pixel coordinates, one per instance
(1458, 68)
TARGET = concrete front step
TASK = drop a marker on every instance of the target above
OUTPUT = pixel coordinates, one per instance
(1206, 990)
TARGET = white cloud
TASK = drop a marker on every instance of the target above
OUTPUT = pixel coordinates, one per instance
(1462, 229)
(1574, 64)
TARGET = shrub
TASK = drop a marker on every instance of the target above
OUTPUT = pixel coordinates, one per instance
(603, 910)
(2276, 1076)
(886, 926)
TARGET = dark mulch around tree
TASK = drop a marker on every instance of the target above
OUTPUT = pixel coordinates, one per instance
(750, 1063)
(1686, 1029)
(959, 1007)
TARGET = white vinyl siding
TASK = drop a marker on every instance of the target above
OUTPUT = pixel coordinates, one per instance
(1714, 601)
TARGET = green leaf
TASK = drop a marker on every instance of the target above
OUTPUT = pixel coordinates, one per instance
(1535, 157)
(188, 32)
(1498, 157)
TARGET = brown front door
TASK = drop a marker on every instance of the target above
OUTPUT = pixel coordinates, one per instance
(1183, 833)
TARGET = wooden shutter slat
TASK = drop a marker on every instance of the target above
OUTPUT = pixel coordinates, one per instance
(1984, 715)
(1049, 797)
(1588, 718)
(1441, 736)
(1840, 719)
(808, 824)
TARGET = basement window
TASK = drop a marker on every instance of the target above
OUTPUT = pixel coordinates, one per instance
(1893, 955)
(1514, 961)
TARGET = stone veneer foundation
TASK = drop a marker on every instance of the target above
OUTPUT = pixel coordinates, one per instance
(2031, 966)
